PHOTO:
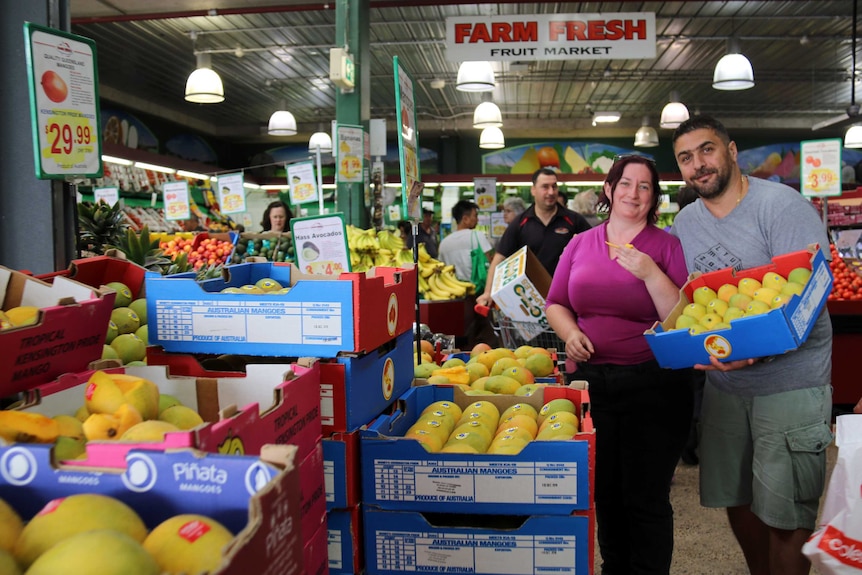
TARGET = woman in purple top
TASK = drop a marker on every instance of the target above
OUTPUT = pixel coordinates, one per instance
(612, 283)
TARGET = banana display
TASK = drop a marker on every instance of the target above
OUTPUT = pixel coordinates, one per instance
(437, 280)
(370, 248)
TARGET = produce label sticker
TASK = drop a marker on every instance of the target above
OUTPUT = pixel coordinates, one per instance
(350, 146)
(177, 200)
(303, 186)
(62, 75)
(320, 244)
(485, 193)
(498, 225)
(108, 195)
(821, 167)
(408, 137)
(231, 193)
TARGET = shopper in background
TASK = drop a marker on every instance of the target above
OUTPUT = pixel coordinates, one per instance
(406, 230)
(193, 224)
(427, 233)
(612, 283)
(545, 227)
(584, 203)
(456, 247)
(512, 208)
(765, 422)
(276, 217)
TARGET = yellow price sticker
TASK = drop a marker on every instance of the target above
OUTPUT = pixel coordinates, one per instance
(69, 136)
(821, 178)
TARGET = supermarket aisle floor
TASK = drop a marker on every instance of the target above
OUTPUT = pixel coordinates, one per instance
(704, 544)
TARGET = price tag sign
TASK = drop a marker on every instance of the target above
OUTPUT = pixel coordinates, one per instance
(320, 244)
(231, 194)
(350, 153)
(177, 200)
(303, 186)
(64, 103)
(408, 137)
(485, 194)
(108, 195)
(820, 163)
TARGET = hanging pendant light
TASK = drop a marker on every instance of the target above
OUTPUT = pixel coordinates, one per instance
(646, 136)
(853, 137)
(282, 123)
(733, 71)
(475, 77)
(674, 113)
(487, 115)
(320, 140)
(204, 85)
(492, 139)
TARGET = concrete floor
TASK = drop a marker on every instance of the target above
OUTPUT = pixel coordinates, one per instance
(704, 544)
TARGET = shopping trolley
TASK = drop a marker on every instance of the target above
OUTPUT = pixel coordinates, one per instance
(513, 334)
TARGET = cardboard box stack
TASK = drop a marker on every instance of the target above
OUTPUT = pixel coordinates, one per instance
(330, 355)
(477, 513)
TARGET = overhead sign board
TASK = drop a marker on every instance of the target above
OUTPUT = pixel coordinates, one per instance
(608, 36)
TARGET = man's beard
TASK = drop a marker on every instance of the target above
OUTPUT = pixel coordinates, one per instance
(712, 190)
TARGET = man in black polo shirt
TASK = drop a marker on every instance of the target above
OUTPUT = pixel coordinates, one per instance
(545, 227)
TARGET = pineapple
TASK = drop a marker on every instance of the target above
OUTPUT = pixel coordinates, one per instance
(100, 226)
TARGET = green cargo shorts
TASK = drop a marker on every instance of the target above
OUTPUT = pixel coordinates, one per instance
(768, 452)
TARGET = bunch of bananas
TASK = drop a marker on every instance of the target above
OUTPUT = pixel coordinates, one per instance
(437, 280)
(370, 248)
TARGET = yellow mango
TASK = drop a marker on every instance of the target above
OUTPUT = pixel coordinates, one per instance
(25, 427)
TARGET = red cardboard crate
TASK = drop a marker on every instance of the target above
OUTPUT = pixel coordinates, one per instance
(277, 404)
(100, 270)
(69, 333)
(312, 498)
(256, 498)
(785, 328)
(341, 470)
(315, 555)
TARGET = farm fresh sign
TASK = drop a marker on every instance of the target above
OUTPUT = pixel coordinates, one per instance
(611, 36)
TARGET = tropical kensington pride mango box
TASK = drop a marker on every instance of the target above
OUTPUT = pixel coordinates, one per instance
(277, 404)
(256, 498)
(341, 470)
(772, 333)
(403, 541)
(68, 332)
(546, 477)
(102, 270)
(520, 286)
(318, 317)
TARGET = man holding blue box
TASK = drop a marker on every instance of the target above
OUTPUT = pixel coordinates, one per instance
(765, 423)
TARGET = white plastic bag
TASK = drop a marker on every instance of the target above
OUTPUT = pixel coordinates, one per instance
(836, 547)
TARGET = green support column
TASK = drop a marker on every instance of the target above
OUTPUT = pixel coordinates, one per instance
(352, 27)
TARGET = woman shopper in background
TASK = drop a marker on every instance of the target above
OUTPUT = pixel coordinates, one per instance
(611, 284)
(276, 217)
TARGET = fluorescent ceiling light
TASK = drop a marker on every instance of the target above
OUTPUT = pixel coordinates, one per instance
(606, 117)
(275, 187)
(120, 161)
(193, 175)
(251, 186)
(154, 167)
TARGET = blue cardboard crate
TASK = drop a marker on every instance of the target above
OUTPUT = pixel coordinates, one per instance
(546, 477)
(773, 333)
(397, 542)
(346, 554)
(318, 317)
(355, 389)
(341, 470)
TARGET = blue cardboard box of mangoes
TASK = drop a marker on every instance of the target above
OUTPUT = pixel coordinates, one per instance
(756, 312)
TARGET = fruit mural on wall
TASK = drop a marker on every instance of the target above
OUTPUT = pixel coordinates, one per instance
(563, 157)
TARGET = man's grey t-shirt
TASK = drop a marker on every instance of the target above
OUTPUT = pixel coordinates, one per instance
(772, 219)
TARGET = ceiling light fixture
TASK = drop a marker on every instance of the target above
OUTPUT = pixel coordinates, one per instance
(733, 71)
(606, 117)
(492, 139)
(204, 85)
(853, 137)
(487, 115)
(282, 123)
(475, 77)
(674, 113)
(154, 168)
(320, 140)
(646, 136)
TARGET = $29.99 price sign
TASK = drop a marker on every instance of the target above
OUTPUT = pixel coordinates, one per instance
(64, 103)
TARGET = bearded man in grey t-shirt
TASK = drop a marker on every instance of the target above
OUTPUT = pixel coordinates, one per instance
(765, 422)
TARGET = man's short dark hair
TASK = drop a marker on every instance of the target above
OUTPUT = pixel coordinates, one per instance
(427, 211)
(543, 171)
(463, 208)
(700, 123)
